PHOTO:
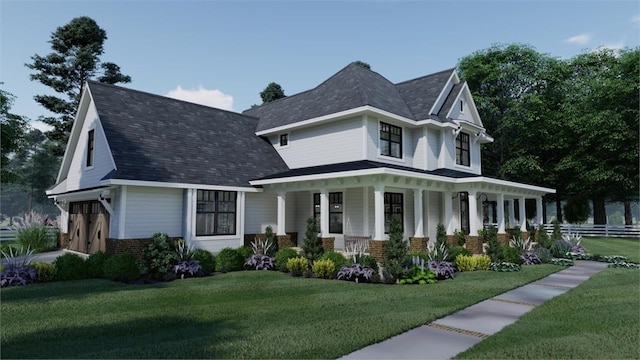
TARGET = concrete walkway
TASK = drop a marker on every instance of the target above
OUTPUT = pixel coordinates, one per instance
(48, 256)
(453, 334)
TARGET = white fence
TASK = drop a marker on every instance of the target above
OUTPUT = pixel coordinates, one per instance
(598, 230)
(8, 234)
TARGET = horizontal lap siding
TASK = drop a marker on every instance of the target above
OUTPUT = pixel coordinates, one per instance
(334, 142)
(304, 211)
(261, 211)
(432, 148)
(215, 246)
(151, 210)
(434, 214)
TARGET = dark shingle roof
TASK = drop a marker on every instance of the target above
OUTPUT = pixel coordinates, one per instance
(353, 87)
(364, 165)
(154, 138)
(448, 103)
(420, 94)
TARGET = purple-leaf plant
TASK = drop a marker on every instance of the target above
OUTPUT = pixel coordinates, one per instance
(355, 272)
(260, 262)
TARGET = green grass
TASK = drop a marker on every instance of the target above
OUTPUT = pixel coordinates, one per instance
(629, 247)
(237, 315)
(599, 319)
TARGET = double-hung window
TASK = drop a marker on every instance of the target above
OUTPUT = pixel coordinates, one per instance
(462, 150)
(90, 147)
(335, 212)
(390, 140)
(215, 213)
(393, 207)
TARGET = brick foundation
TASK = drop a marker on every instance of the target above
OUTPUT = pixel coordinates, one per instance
(376, 249)
(328, 243)
(63, 240)
(503, 239)
(474, 244)
(524, 235)
(452, 240)
(418, 244)
(133, 246)
(284, 241)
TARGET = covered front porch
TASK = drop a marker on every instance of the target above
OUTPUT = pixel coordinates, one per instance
(357, 203)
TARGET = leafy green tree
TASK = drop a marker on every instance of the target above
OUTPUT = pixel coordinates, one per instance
(312, 246)
(576, 210)
(12, 138)
(396, 253)
(272, 92)
(77, 47)
(363, 64)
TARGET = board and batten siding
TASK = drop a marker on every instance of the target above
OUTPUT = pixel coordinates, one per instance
(80, 176)
(150, 210)
(304, 207)
(334, 142)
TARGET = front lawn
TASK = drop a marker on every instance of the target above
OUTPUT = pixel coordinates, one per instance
(629, 247)
(599, 319)
(249, 314)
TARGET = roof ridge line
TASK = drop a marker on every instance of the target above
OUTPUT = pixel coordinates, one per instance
(424, 76)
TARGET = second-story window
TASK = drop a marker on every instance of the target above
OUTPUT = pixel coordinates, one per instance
(462, 150)
(390, 140)
(284, 139)
(90, 146)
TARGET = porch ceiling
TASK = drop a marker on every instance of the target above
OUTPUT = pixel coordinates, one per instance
(369, 173)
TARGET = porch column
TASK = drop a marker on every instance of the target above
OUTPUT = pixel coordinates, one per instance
(500, 206)
(523, 215)
(512, 213)
(282, 199)
(378, 199)
(448, 212)
(473, 214)
(324, 213)
(418, 213)
(539, 210)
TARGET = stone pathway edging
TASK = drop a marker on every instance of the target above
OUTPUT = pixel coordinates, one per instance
(455, 333)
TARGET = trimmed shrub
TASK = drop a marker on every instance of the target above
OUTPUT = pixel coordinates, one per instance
(396, 255)
(229, 259)
(493, 246)
(298, 265)
(272, 239)
(338, 259)
(46, 271)
(95, 264)
(312, 246)
(70, 267)
(483, 262)
(121, 267)
(245, 252)
(323, 269)
(465, 263)
(206, 259)
(510, 255)
(457, 250)
(159, 257)
(560, 248)
(282, 256)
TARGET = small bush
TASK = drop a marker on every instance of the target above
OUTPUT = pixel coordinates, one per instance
(323, 269)
(121, 267)
(530, 258)
(338, 259)
(14, 275)
(260, 262)
(46, 271)
(457, 250)
(465, 263)
(282, 256)
(95, 264)
(36, 237)
(505, 267)
(187, 268)
(560, 248)
(493, 246)
(356, 272)
(511, 255)
(542, 238)
(312, 246)
(460, 238)
(35, 231)
(442, 269)
(229, 259)
(245, 252)
(483, 262)
(298, 265)
(70, 267)
(615, 258)
(159, 257)
(396, 255)
(206, 259)
(543, 254)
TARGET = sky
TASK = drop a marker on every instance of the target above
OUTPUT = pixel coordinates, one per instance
(223, 53)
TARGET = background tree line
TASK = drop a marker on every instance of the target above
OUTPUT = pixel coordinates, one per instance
(566, 124)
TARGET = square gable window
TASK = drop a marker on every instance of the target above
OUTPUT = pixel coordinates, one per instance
(390, 140)
(284, 139)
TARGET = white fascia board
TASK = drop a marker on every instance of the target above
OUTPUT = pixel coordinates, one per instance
(72, 143)
(59, 188)
(340, 174)
(453, 77)
(93, 194)
(176, 185)
(483, 179)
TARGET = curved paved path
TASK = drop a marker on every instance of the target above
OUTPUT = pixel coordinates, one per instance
(453, 334)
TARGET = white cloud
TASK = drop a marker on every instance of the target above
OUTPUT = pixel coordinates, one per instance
(613, 46)
(579, 39)
(214, 98)
(40, 125)
(636, 19)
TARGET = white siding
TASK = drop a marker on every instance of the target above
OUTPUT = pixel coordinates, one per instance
(79, 176)
(408, 144)
(150, 210)
(354, 221)
(420, 148)
(261, 211)
(304, 211)
(215, 246)
(334, 142)
(432, 148)
(434, 214)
